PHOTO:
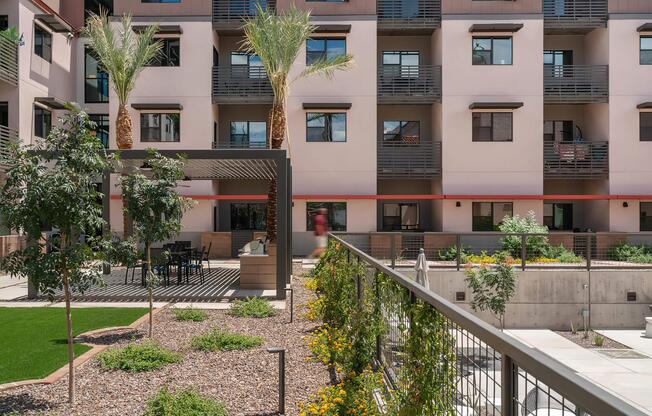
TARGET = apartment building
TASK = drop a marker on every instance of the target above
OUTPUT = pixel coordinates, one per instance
(456, 113)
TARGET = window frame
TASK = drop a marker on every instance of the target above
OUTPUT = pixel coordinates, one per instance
(400, 205)
(328, 122)
(259, 73)
(45, 128)
(554, 216)
(640, 50)
(326, 40)
(641, 137)
(102, 117)
(330, 215)
(97, 78)
(493, 213)
(250, 207)
(492, 62)
(46, 50)
(163, 60)
(160, 127)
(248, 134)
(4, 21)
(492, 138)
(402, 124)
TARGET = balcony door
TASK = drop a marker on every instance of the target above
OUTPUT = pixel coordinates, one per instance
(401, 64)
(400, 216)
(556, 63)
(4, 114)
(558, 217)
(244, 65)
(557, 131)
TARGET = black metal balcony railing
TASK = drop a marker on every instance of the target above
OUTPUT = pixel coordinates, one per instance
(574, 14)
(8, 61)
(234, 144)
(239, 85)
(408, 14)
(492, 373)
(403, 160)
(7, 136)
(576, 84)
(576, 160)
(228, 14)
(409, 84)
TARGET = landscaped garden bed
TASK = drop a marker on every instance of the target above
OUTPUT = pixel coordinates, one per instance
(591, 339)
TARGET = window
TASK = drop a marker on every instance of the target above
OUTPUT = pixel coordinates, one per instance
(251, 134)
(4, 114)
(487, 216)
(646, 216)
(43, 43)
(160, 127)
(558, 130)
(248, 216)
(42, 122)
(645, 126)
(492, 51)
(492, 127)
(247, 66)
(401, 64)
(401, 216)
(169, 55)
(96, 81)
(401, 131)
(94, 6)
(646, 50)
(324, 48)
(336, 215)
(558, 216)
(326, 127)
(554, 61)
(160, 1)
(4, 22)
(102, 129)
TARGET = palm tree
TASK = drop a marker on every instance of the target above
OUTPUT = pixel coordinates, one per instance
(122, 54)
(277, 40)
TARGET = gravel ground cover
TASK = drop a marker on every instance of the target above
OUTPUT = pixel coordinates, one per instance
(587, 342)
(247, 381)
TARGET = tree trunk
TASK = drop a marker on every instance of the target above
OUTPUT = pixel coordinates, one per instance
(123, 135)
(71, 348)
(149, 287)
(278, 131)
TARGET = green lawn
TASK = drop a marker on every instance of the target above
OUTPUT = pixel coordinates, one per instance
(33, 340)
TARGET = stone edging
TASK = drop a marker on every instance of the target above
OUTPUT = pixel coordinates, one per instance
(95, 349)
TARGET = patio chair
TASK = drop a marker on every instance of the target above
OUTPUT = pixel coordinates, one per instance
(196, 263)
(161, 264)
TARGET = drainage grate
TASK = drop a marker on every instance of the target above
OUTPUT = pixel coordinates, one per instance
(623, 354)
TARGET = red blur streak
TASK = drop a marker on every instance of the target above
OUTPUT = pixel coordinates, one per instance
(421, 197)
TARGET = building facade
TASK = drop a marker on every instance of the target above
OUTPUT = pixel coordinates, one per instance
(455, 114)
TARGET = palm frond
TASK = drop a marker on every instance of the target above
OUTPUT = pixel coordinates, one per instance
(327, 67)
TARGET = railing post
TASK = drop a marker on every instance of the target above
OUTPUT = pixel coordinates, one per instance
(392, 250)
(589, 241)
(523, 251)
(377, 311)
(458, 250)
(507, 387)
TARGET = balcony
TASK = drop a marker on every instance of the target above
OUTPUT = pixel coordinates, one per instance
(235, 144)
(574, 16)
(8, 61)
(575, 84)
(576, 160)
(408, 15)
(241, 85)
(7, 136)
(405, 160)
(228, 14)
(409, 84)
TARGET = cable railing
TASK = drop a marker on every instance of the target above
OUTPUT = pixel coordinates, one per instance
(231, 12)
(576, 160)
(240, 144)
(408, 14)
(575, 84)
(491, 372)
(8, 61)
(574, 14)
(409, 84)
(241, 84)
(404, 159)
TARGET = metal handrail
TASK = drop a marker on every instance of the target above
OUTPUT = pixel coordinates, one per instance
(575, 13)
(245, 83)
(403, 14)
(576, 83)
(8, 61)
(581, 392)
(411, 82)
(576, 160)
(239, 145)
(402, 159)
(233, 11)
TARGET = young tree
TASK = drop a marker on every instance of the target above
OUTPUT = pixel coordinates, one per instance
(53, 183)
(277, 39)
(156, 208)
(492, 287)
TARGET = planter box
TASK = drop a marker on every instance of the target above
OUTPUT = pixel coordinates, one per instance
(221, 248)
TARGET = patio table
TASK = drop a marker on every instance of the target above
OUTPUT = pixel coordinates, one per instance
(180, 256)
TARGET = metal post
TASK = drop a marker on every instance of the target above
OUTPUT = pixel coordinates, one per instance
(589, 241)
(281, 377)
(458, 247)
(291, 290)
(282, 207)
(507, 386)
(106, 212)
(377, 311)
(392, 250)
(523, 251)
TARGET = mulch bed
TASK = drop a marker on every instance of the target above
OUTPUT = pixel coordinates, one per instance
(247, 381)
(587, 342)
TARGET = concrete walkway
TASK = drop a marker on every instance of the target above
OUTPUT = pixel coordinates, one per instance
(629, 378)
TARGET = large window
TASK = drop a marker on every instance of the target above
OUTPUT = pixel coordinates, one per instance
(248, 216)
(645, 126)
(244, 65)
(102, 127)
(336, 215)
(646, 50)
(42, 122)
(646, 216)
(399, 131)
(252, 134)
(492, 51)
(42, 43)
(326, 127)
(160, 127)
(492, 127)
(96, 81)
(558, 130)
(320, 49)
(170, 53)
(400, 216)
(487, 216)
(558, 216)
(401, 64)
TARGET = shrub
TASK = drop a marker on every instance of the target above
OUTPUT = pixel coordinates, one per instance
(189, 314)
(219, 340)
(354, 396)
(624, 251)
(450, 254)
(138, 357)
(598, 340)
(535, 245)
(183, 403)
(253, 308)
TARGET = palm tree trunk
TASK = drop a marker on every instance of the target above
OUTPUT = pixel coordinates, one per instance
(278, 131)
(71, 348)
(124, 140)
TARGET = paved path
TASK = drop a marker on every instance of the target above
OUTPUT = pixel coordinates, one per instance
(630, 379)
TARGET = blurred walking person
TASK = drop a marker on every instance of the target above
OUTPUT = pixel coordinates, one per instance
(320, 220)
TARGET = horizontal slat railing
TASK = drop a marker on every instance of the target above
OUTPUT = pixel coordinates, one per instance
(576, 84)
(494, 374)
(574, 14)
(409, 83)
(576, 160)
(7, 137)
(231, 12)
(8, 61)
(241, 84)
(230, 144)
(398, 160)
(409, 14)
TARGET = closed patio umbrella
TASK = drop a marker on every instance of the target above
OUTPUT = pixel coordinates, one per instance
(422, 270)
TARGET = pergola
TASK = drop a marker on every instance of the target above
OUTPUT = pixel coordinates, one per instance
(233, 164)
